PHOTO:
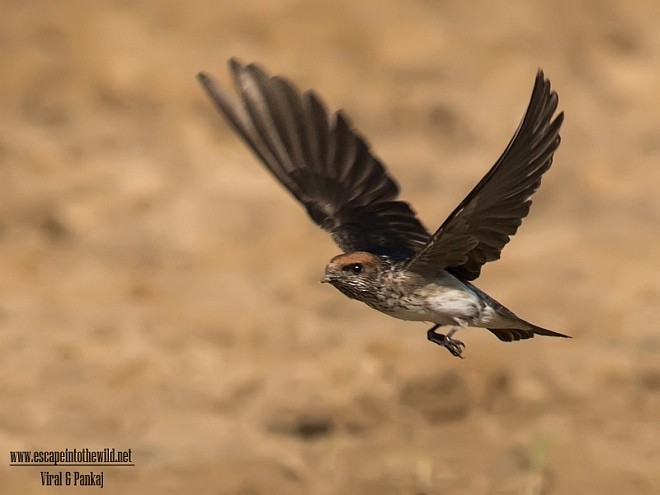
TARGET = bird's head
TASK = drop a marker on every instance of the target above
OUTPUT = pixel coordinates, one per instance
(354, 274)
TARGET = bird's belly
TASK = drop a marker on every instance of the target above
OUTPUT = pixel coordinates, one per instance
(445, 306)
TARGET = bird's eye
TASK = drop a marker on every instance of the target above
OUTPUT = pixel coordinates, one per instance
(356, 268)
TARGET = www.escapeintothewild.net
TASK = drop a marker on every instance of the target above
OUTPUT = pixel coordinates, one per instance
(71, 456)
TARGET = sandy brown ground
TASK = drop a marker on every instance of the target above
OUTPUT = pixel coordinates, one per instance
(159, 291)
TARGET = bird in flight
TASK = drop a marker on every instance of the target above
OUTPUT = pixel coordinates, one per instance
(390, 261)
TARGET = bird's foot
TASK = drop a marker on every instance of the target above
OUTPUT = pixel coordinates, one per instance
(454, 346)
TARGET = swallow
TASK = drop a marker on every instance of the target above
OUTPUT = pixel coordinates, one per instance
(390, 261)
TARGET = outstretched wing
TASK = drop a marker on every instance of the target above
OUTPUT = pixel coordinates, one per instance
(321, 160)
(482, 224)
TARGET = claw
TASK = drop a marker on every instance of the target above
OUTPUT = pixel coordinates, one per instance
(452, 345)
(455, 347)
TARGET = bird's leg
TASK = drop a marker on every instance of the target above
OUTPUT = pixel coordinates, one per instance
(452, 345)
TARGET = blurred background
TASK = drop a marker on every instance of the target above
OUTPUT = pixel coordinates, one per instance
(159, 290)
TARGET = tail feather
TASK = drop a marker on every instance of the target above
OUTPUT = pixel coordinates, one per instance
(512, 334)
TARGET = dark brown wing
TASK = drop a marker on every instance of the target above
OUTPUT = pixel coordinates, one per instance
(321, 160)
(483, 223)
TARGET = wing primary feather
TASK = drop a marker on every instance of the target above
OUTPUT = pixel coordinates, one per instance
(241, 122)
